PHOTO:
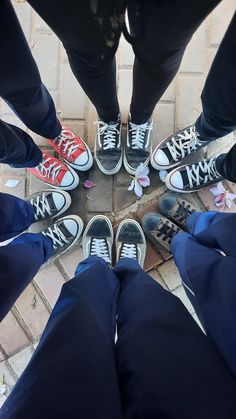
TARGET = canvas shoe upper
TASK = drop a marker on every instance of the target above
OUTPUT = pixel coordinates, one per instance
(55, 173)
(108, 150)
(49, 203)
(73, 150)
(130, 241)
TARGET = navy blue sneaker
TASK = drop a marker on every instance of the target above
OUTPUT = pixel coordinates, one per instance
(130, 241)
(159, 230)
(176, 208)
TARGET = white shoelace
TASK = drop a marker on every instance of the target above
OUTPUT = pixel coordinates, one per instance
(52, 170)
(208, 169)
(109, 132)
(42, 207)
(138, 135)
(67, 140)
(129, 250)
(184, 144)
(56, 235)
(99, 247)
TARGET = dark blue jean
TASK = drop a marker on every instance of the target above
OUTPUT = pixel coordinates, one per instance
(209, 277)
(21, 87)
(162, 365)
(17, 269)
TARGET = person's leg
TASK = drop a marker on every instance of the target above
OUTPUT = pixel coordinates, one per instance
(219, 93)
(161, 32)
(208, 279)
(18, 269)
(20, 82)
(165, 30)
(17, 147)
(167, 366)
(84, 32)
(16, 216)
(90, 56)
(73, 371)
(217, 119)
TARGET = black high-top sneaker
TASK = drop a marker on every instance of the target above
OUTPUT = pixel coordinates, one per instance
(192, 178)
(49, 203)
(108, 150)
(171, 151)
(138, 145)
(64, 233)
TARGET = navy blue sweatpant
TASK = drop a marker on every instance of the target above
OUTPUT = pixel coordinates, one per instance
(162, 365)
(21, 87)
(209, 276)
(21, 258)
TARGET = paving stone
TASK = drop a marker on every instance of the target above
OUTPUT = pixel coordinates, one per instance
(8, 377)
(12, 336)
(71, 260)
(157, 277)
(48, 283)
(19, 361)
(41, 26)
(222, 145)
(123, 198)
(38, 139)
(194, 59)
(125, 53)
(72, 95)
(208, 200)
(99, 198)
(219, 21)
(23, 11)
(163, 122)
(3, 398)
(188, 103)
(33, 311)
(124, 92)
(91, 118)
(170, 274)
(181, 294)
(19, 190)
(2, 356)
(45, 52)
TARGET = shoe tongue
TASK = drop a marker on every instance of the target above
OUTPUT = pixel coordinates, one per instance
(51, 202)
(64, 230)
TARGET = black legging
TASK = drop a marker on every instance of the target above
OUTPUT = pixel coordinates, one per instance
(165, 27)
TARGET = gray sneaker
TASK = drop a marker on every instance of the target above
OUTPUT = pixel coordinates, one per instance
(130, 241)
(138, 145)
(98, 238)
(49, 203)
(108, 151)
(176, 208)
(64, 233)
(159, 230)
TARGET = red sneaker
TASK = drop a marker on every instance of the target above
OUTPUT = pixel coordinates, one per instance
(73, 150)
(55, 173)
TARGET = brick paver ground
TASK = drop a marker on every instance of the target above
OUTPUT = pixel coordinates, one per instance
(180, 105)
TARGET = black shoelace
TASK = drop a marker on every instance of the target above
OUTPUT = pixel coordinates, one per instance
(182, 212)
(167, 230)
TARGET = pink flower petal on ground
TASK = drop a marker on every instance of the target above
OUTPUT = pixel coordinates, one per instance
(144, 181)
(138, 190)
(218, 189)
(88, 184)
(131, 186)
(141, 171)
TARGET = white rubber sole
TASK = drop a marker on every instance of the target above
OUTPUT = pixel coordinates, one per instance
(103, 217)
(157, 166)
(130, 220)
(86, 166)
